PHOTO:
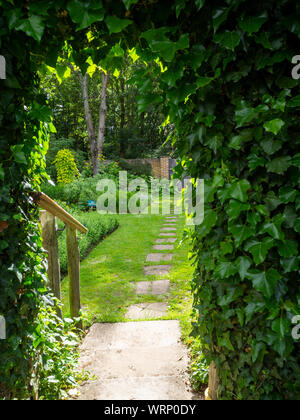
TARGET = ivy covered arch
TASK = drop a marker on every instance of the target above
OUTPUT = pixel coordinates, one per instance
(225, 78)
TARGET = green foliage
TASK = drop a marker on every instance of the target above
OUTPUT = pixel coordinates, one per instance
(57, 360)
(66, 167)
(137, 168)
(99, 227)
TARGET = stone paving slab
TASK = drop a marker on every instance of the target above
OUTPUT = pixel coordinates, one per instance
(167, 234)
(163, 240)
(143, 288)
(147, 310)
(135, 361)
(160, 287)
(159, 257)
(155, 288)
(157, 270)
(163, 247)
(168, 228)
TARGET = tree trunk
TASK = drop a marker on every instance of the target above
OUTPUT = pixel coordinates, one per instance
(102, 118)
(96, 144)
(89, 121)
(122, 123)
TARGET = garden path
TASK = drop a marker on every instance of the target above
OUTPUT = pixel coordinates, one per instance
(143, 359)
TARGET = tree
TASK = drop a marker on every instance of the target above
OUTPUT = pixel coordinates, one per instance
(95, 141)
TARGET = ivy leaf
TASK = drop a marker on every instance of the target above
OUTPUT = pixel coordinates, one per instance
(279, 165)
(225, 269)
(254, 161)
(273, 229)
(219, 16)
(274, 126)
(244, 114)
(116, 25)
(232, 293)
(287, 194)
(203, 81)
(271, 146)
(18, 154)
(199, 4)
(241, 233)
(210, 221)
(290, 264)
(215, 142)
(294, 102)
(224, 341)
(128, 3)
(146, 100)
(197, 55)
(239, 190)
(259, 250)
(296, 160)
(252, 24)
(243, 264)
(85, 13)
(258, 350)
(236, 208)
(252, 308)
(2, 173)
(228, 39)
(281, 326)
(264, 282)
(33, 27)
(288, 249)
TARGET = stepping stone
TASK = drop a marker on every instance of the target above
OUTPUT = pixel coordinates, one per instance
(163, 247)
(169, 228)
(167, 234)
(170, 240)
(157, 270)
(143, 287)
(147, 310)
(135, 361)
(159, 257)
(160, 287)
(155, 288)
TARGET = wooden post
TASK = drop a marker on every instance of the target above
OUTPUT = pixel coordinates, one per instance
(213, 382)
(74, 273)
(50, 243)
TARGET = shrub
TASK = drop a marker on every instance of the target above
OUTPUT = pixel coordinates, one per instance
(98, 225)
(66, 167)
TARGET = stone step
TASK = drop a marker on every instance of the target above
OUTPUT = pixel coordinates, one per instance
(147, 310)
(157, 287)
(157, 270)
(163, 247)
(170, 240)
(161, 388)
(159, 257)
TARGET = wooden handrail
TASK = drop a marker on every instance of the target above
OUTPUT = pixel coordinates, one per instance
(48, 204)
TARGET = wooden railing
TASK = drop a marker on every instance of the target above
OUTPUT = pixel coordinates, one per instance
(48, 215)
